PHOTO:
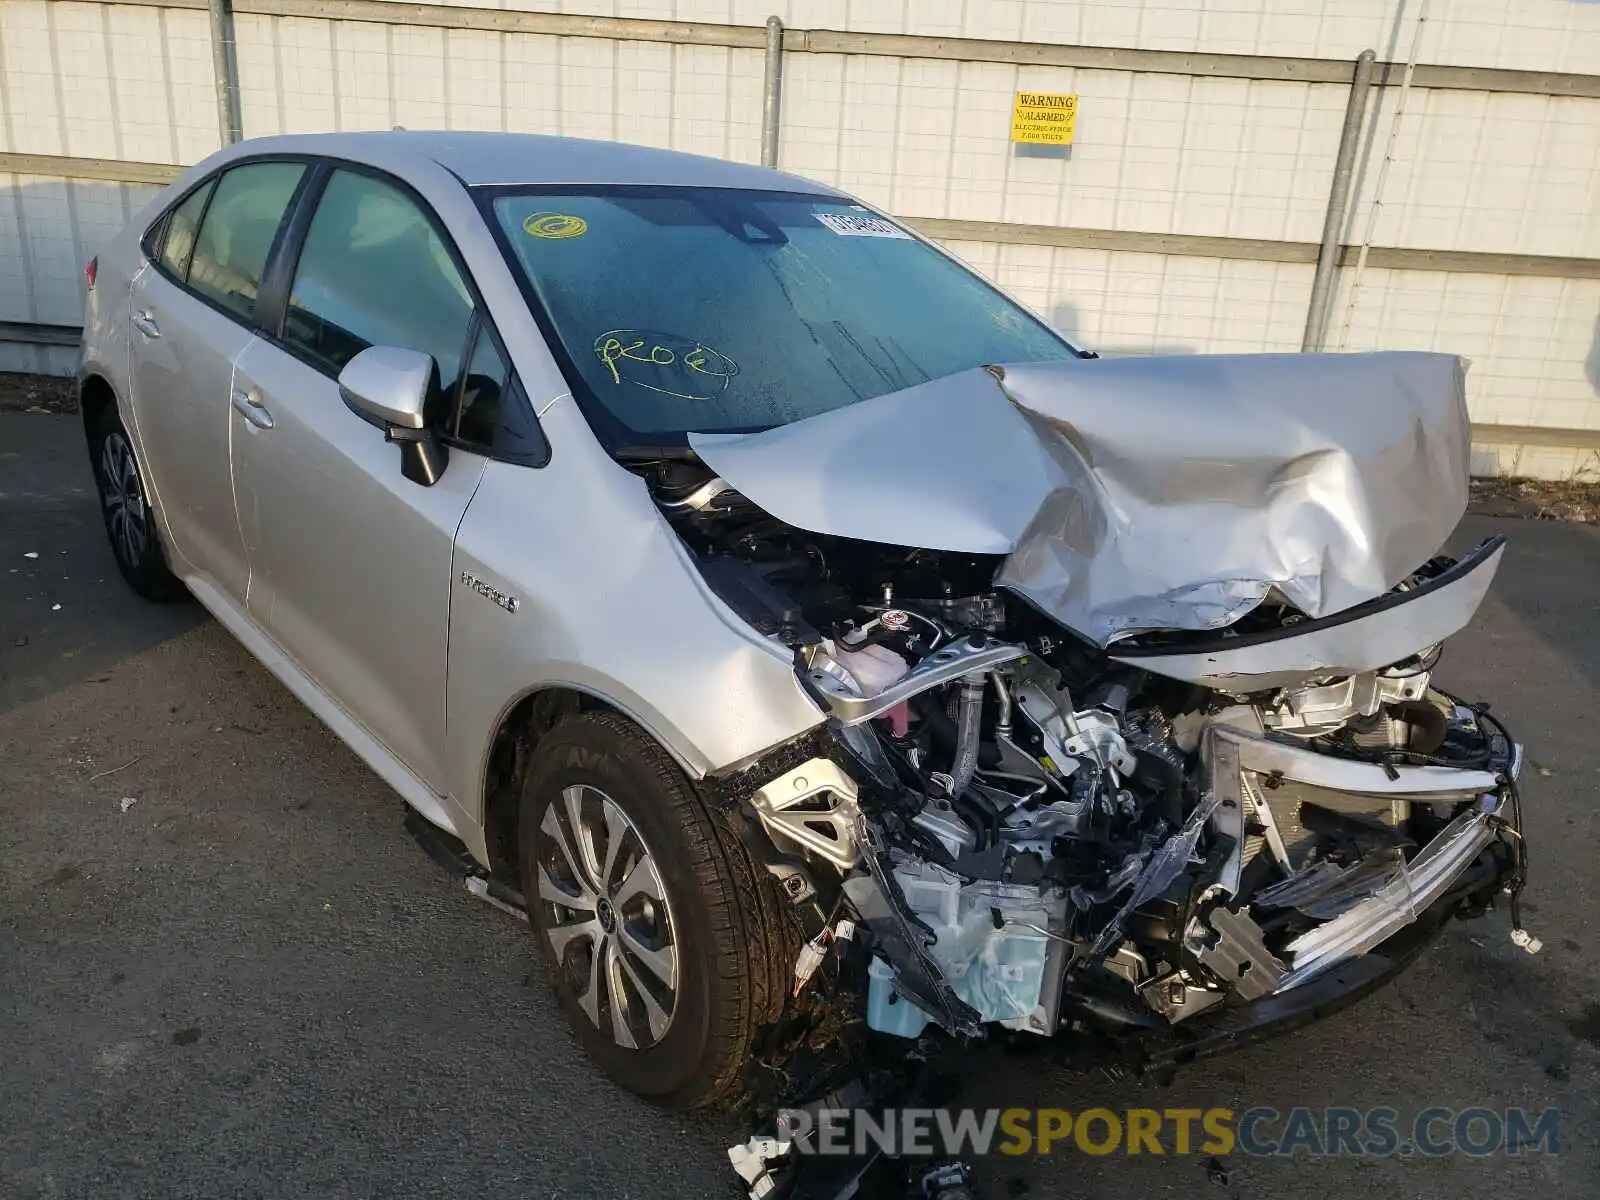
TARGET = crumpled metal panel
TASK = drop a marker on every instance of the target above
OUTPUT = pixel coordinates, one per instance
(1363, 638)
(945, 465)
(1193, 486)
(1142, 493)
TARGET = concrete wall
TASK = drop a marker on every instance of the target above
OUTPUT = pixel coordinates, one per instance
(1472, 171)
(1541, 35)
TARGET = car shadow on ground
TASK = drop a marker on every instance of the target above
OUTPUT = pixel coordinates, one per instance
(65, 614)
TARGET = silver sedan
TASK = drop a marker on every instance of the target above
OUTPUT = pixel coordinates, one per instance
(790, 621)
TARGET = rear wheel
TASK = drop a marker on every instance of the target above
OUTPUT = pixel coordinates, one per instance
(663, 946)
(129, 519)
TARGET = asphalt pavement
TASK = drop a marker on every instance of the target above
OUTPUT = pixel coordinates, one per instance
(226, 970)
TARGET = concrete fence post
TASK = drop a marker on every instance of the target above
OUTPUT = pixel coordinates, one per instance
(225, 65)
(772, 94)
(1338, 204)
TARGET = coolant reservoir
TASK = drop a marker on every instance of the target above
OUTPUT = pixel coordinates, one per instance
(872, 667)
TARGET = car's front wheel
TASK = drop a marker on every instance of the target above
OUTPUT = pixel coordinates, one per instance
(125, 505)
(665, 947)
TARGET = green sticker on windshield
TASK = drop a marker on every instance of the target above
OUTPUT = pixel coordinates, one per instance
(555, 226)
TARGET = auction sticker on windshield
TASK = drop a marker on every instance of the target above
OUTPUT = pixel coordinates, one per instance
(555, 226)
(860, 225)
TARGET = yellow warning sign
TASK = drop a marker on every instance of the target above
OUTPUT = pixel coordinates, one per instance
(1049, 118)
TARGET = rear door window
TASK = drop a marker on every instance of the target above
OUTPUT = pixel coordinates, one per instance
(237, 232)
(374, 271)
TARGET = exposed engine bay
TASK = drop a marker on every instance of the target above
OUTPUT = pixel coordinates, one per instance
(1030, 831)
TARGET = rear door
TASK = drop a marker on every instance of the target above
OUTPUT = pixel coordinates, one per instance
(192, 311)
(351, 562)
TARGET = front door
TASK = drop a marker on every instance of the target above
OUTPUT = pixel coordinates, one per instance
(351, 562)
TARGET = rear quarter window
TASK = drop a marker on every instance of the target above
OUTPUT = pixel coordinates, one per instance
(173, 244)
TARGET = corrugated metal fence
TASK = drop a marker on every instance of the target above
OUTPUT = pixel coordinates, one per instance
(1189, 215)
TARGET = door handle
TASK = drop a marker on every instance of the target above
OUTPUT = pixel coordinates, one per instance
(251, 409)
(146, 324)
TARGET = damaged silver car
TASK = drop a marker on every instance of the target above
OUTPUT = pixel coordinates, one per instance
(798, 627)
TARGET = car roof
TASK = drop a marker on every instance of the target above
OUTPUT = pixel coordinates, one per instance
(526, 158)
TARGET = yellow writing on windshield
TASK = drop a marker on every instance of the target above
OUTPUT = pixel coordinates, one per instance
(708, 362)
(612, 348)
(668, 363)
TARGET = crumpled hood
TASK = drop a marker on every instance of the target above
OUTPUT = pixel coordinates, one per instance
(1141, 493)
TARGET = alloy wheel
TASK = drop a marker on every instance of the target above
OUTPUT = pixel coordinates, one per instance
(127, 515)
(607, 917)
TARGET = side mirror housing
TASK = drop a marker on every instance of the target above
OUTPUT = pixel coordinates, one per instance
(391, 387)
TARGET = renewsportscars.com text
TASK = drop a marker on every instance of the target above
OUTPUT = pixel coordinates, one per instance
(1313, 1132)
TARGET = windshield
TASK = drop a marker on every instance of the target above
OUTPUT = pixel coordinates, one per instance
(704, 309)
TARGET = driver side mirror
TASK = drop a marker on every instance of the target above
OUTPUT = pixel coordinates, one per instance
(391, 388)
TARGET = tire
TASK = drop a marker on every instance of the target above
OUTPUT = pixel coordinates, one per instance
(129, 519)
(717, 939)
